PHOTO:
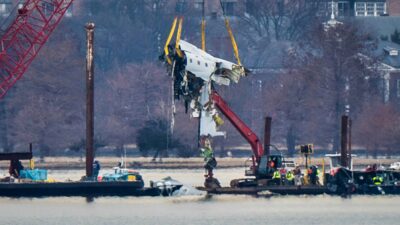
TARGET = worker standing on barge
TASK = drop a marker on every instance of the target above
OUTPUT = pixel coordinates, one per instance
(15, 168)
(297, 175)
(96, 169)
(276, 177)
(377, 180)
(289, 177)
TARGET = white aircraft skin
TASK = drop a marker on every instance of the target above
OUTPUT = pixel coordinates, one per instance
(208, 127)
(206, 66)
(209, 68)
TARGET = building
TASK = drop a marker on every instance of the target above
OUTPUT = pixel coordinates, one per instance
(390, 67)
(212, 8)
(393, 7)
(370, 7)
(357, 8)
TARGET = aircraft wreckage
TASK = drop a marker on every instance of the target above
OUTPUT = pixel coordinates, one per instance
(194, 73)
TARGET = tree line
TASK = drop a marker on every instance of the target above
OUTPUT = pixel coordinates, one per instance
(309, 76)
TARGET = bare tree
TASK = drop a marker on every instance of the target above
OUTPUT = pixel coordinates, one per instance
(343, 75)
(280, 19)
(331, 73)
(47, 104)
(268, 26)
(131, 95)
(377, 128)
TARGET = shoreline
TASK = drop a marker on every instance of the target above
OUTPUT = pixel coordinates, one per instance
(65, 163)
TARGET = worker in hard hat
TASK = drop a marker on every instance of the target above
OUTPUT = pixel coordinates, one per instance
(289, 177)
(377, 180)
(312, 174)
(297, 175)
(318, 174)
(96, 169)
(207, 153)
(276, 177)
(15, 168)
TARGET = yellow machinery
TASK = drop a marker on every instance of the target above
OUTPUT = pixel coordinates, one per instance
(203, 36)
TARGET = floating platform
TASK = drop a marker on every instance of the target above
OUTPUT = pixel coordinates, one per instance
(81, 188)
(378, 190)
(304, 190)
(283, 190)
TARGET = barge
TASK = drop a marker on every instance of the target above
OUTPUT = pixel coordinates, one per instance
(80, 188)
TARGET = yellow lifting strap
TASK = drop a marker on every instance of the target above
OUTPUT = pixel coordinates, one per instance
(178, 38)
(171, 33)
(203, 34)
(235, 48)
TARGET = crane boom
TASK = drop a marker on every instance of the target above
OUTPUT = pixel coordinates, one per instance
(244, 130)
(26, 35)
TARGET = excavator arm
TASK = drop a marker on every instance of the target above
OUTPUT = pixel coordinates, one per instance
(244, 130)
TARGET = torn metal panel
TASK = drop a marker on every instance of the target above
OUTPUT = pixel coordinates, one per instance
(204, 65)
(193, 71)
(220, 80)
(208, 124)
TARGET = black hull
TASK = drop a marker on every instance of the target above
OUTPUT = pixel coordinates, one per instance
(87, 189)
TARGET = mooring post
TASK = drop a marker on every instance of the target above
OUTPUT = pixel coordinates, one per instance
(267, 135)
(349, 147)
(344, 142)
(89, 99)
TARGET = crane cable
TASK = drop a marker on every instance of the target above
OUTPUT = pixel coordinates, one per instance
(228, 27)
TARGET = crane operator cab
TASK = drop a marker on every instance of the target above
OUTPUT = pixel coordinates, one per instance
(268, 165)
(264, 170)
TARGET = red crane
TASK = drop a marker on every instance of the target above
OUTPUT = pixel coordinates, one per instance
(260, 168)
(241, 127)
(26, 35)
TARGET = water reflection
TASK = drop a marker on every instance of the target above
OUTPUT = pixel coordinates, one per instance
(200, 209)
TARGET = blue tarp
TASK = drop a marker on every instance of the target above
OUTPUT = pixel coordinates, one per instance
(36, 174)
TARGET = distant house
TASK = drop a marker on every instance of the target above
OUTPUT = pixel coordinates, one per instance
(390, 66)
(369, 7)
(388, 53)
(358, 8)
(393, 7)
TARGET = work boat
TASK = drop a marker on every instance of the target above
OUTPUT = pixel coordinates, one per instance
(371, 180)
(122, 174)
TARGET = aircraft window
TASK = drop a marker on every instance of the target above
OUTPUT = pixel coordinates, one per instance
(190, 60)
(206, 65)
(198, 62)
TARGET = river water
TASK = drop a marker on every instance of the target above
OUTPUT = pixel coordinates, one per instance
(198, 210)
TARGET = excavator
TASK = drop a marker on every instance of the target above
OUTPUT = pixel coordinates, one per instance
(195, 73)
(262, 162)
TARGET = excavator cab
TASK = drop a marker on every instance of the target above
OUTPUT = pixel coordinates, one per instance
(268, 164)
(276, 161)
(264, 170)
